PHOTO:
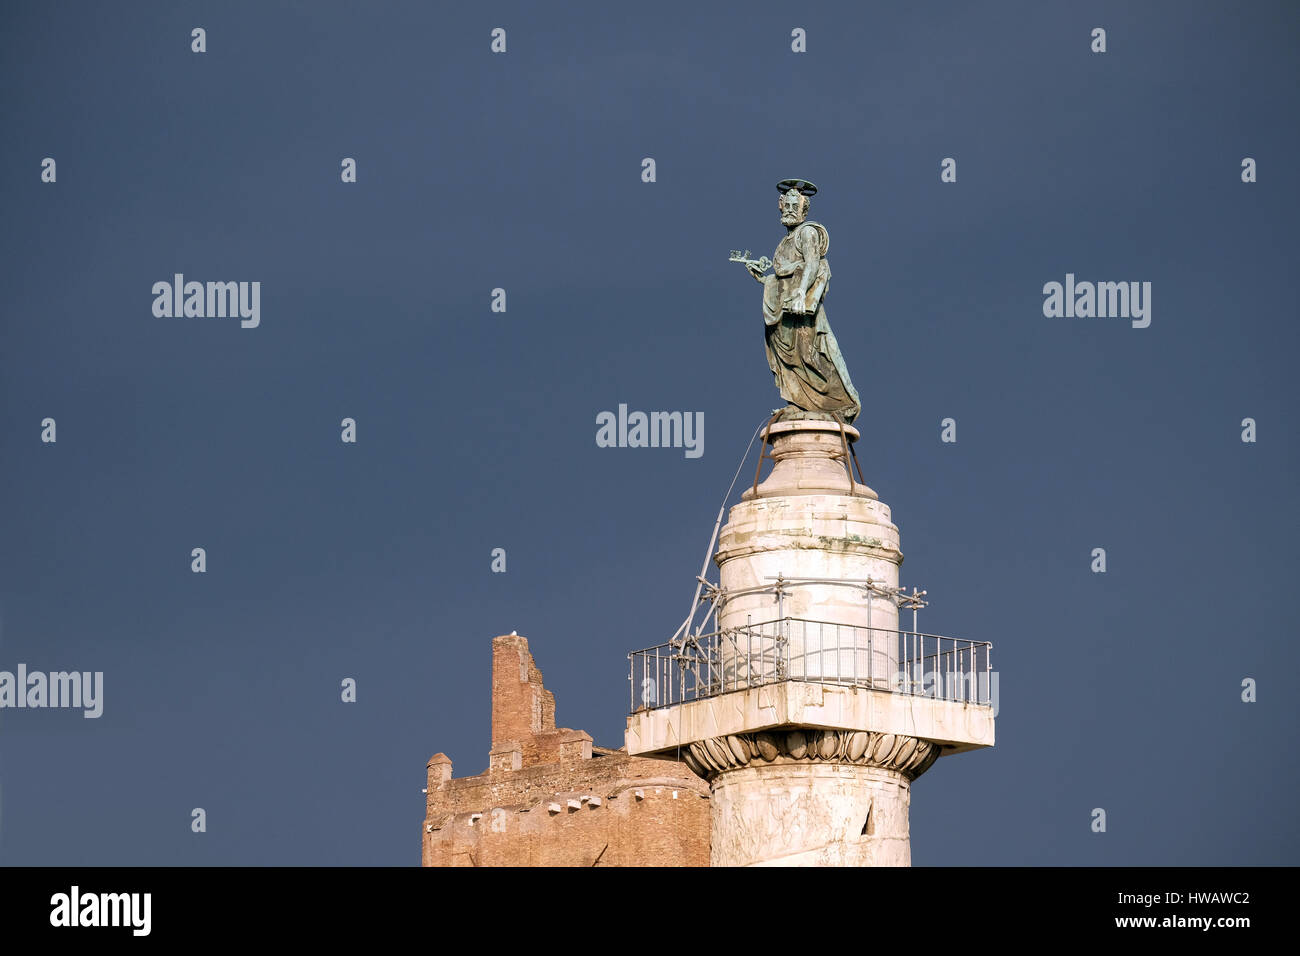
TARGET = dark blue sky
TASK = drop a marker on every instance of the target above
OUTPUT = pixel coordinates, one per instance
(477, 429)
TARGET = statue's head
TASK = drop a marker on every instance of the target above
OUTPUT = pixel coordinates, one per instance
(796, 198)
(794, 208)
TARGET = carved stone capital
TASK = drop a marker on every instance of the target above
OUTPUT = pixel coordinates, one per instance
(909, 756)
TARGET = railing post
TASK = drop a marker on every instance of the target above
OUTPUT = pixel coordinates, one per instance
(911, 666)
(666, 676)
(661, 689)
(965, 694)
(749, 623)
(780, 669)
(988, 661)
(709, 663)
(871, 636)
(822, 640)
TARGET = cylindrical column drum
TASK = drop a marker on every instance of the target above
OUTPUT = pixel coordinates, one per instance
(792, 560)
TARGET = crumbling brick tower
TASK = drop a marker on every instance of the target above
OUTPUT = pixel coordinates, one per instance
(549, 798)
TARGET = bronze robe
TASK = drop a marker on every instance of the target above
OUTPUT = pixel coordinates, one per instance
(801, 349)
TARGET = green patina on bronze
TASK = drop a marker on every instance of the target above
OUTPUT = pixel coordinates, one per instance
(802, 352)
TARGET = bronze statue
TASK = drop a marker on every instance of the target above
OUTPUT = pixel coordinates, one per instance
(801, 349)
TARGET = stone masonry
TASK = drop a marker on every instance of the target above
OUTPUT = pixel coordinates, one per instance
(812, 724)
(550, 798)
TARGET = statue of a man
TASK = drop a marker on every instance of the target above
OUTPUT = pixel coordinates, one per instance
(801, 349)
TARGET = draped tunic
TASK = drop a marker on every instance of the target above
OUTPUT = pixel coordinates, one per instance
(802, 352)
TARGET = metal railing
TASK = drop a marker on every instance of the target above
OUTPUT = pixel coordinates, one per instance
(789, 648)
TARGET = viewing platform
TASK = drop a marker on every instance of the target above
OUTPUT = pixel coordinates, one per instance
(794, 671)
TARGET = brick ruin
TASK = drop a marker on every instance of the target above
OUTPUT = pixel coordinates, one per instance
(550, 798)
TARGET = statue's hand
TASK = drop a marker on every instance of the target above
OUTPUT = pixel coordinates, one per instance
(794, 304)
(755, 271)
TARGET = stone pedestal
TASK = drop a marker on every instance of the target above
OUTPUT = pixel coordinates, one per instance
(802, 814)
(778, 798)
(808, 797)
(802, 725)
(809, 521)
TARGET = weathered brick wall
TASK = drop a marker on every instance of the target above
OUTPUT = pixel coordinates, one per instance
(549, 799)
(521, 706)
(629, 812)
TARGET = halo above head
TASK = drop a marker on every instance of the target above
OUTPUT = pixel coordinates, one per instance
(805, 187)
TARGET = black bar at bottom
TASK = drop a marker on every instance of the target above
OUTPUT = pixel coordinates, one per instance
(371, 905)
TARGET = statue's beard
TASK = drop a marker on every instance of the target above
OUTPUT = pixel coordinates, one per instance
(791, 219)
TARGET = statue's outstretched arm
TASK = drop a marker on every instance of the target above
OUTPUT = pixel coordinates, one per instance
(756, 267)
